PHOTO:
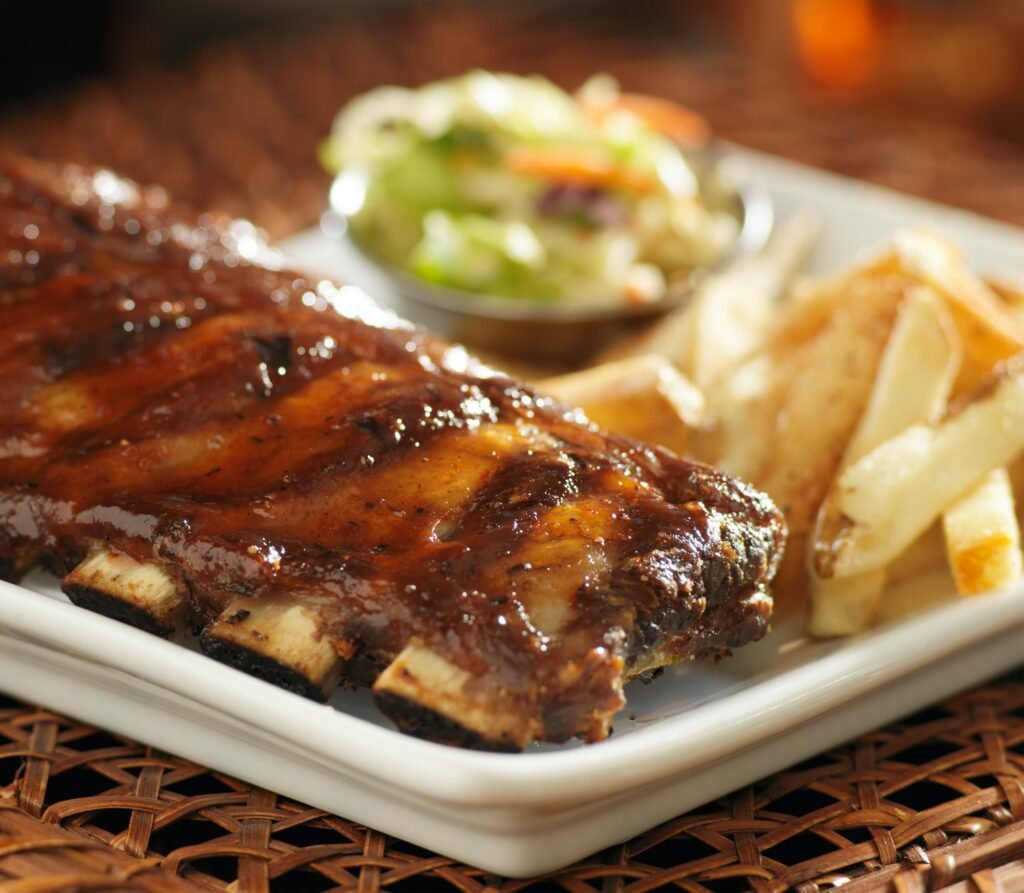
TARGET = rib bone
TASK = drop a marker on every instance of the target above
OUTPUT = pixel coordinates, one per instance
(277, 640)
(138, 592)
(427, 695)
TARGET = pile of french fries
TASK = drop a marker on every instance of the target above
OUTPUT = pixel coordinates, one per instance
(882, 408)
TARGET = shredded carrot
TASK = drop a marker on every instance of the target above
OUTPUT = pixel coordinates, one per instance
(682, 125)
(572, 164)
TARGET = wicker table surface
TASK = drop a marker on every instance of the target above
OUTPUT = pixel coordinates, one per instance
(933, 802)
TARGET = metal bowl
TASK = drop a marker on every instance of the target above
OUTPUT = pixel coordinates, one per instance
(551, 333)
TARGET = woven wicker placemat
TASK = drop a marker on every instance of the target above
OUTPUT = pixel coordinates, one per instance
(931, 801)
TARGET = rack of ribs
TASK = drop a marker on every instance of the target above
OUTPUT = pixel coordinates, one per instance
(197, 439)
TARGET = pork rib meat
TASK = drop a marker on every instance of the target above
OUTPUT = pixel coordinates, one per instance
(194, 437)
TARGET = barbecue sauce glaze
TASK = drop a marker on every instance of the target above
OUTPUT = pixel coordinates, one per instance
(168, 391)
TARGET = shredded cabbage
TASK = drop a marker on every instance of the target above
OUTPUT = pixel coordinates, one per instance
(508, 185)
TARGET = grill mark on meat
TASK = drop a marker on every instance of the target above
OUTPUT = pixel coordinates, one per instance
(533, 481)
(262, 437)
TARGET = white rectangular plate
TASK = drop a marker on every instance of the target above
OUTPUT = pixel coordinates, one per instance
(694, 734)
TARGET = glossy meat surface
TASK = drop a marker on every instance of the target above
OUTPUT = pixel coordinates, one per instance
(171, 395)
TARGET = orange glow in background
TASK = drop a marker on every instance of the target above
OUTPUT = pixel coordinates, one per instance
(837, 41)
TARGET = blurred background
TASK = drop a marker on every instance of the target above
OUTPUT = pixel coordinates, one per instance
(225, 101)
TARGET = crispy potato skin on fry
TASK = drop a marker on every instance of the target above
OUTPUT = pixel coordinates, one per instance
(823, 404)
(974, 356)
(880, 504)
(983, 536)
(822, 399)
(842, 606)
(913, 383)
(973, 569)
(915, 375)
(644, 397)
(991, 333)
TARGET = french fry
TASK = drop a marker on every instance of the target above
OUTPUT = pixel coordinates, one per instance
(842, 606)
(914, 378)
(644, 397)
(734, 309)
(733, 317)
(983, 536)
(926, 552)
(990, 331)
(915, 375)
(882, 502)
(1016, 471)
(833, 399)
(1011, 293)
(744, 417)
(991, 328)
(919, 578)
(811, 303)
(669, 338)
(822, 406)
(745, 404)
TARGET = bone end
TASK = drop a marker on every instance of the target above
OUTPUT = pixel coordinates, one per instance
(277, 641)
(428, 696)
(140, 593)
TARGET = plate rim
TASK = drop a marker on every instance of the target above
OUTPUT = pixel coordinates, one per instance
(536, 783)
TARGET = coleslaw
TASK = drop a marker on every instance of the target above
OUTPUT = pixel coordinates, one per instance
(505, 185)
